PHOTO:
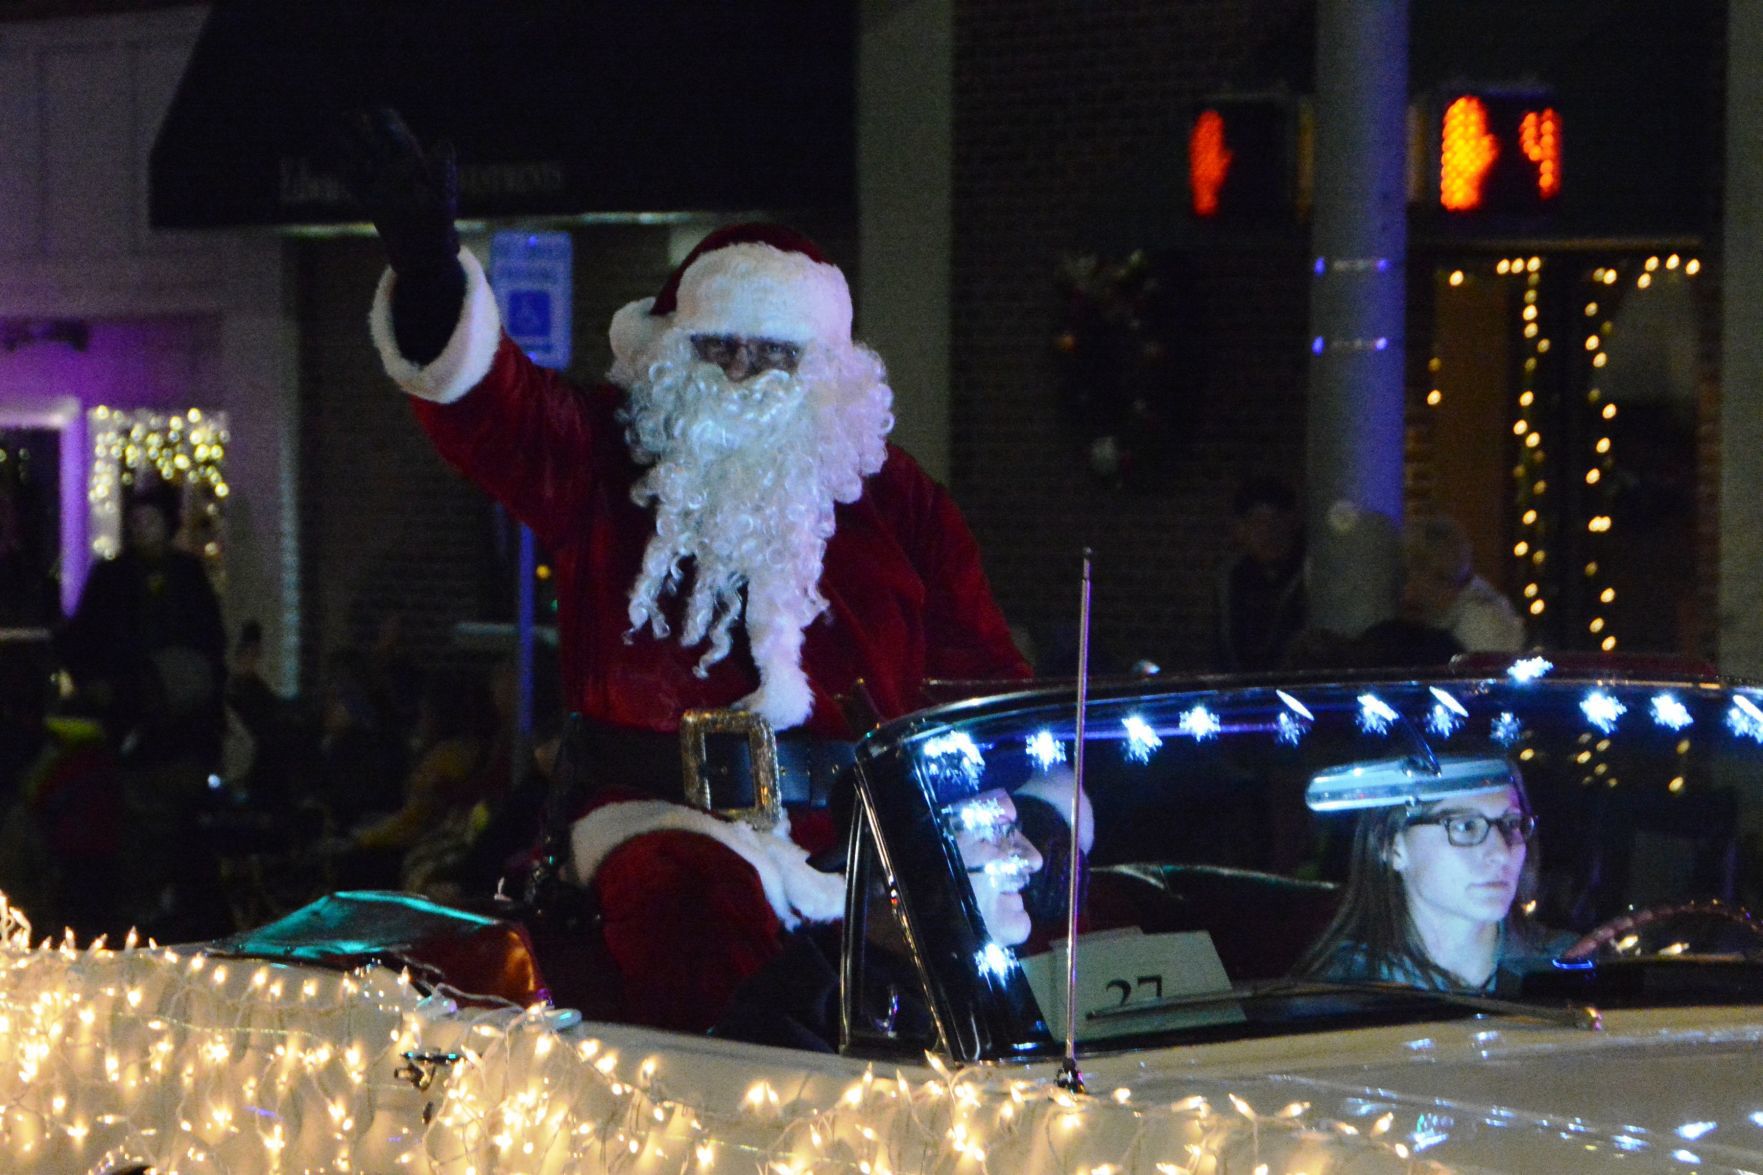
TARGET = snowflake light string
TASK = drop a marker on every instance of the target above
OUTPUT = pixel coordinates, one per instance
(186, 1061)
(1745, 719)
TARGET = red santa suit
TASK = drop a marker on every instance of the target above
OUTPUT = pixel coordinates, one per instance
(906, 597)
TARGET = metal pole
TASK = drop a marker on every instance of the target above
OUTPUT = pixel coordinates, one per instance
(1740, 635)
(1070, 1077)
(523, 657)
(1354, 433)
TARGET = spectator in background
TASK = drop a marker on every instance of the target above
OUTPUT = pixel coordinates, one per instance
(1261, 597)
(448, 777)
(61, 808)
(1440, 588)
(362, 756)
(145, 647)
(395, 677)
(500, 832)
(257, 705)
(432, 864)
(29, 595)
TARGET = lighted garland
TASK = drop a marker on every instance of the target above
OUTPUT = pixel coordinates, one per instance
(188, 1062)
(1116, 350)
(1535, 526)
(186, 449)
(183, 1062)
(1529, 474)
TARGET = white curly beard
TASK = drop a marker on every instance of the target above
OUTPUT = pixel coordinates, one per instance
(744, 477)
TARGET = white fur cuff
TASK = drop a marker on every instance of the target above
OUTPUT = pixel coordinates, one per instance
(465, 360)
(796, 890)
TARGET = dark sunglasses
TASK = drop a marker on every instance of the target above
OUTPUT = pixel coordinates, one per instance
(762, 354)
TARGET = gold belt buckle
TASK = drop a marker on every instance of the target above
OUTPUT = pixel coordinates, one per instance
(767, 811)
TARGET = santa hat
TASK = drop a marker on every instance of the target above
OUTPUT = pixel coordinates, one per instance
(754, 280)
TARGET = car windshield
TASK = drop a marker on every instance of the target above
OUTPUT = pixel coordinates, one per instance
(1520, 837)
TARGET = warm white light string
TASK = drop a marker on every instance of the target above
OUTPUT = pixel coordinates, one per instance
(196, 1063)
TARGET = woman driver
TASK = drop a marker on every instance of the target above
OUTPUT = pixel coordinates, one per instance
(1429, 895)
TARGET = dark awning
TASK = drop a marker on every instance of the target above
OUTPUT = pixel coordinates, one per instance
(557, 108)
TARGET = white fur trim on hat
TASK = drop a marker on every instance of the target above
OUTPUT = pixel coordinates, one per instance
(750, 289)
(465, 360)
(796, 890)
(634, 330)
(1054, 790)
(761, 291)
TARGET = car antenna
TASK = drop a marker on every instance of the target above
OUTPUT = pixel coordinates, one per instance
(1069, 1076)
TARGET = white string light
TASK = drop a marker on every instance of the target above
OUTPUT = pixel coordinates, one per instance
(181, 1061)
(186, 449)
(1529, 477)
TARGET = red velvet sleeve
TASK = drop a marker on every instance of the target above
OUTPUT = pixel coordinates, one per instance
(966, 635)
(527, 437)
(686, 922)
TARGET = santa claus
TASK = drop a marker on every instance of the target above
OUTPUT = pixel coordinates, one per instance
(729, 527)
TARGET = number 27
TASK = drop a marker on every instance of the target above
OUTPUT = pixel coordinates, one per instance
(1154, 982)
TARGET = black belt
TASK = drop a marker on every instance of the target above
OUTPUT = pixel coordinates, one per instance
(808, 769)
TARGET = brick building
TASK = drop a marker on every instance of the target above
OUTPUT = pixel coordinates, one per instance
(994, 141)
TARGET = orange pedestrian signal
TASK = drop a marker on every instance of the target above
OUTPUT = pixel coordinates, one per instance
(1499, 152)
(1466, 153)
(1208, 161)
(1245, 159)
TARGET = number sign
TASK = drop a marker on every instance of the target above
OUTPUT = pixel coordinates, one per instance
(1122, 974)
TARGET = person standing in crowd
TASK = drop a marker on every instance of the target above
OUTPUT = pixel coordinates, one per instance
(1261, 596)
(145, 647)
(1440, 588)
(29, 595)
(64, 833)
(730, 529)
(361, 755)
(250, 696)
(449, 776)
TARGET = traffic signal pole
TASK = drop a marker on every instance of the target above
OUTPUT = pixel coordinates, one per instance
(1741, 355)
(1359, 236)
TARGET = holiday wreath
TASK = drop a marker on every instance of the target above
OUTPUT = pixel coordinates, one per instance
(1120, 353)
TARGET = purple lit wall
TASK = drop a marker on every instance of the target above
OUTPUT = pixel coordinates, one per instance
(165, 364)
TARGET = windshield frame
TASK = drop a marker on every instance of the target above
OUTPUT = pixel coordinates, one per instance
(992, 1015)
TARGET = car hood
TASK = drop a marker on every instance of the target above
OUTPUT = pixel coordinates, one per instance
(1665, 1087)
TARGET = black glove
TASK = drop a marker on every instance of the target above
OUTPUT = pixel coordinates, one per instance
(412, 197)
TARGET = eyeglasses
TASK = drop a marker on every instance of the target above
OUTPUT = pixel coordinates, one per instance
(1003, 835)
(1008, 840)
(761, 354)
(1466, 830)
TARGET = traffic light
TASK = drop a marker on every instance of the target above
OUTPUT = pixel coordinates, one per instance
(1499, 152)
(1248, 158)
